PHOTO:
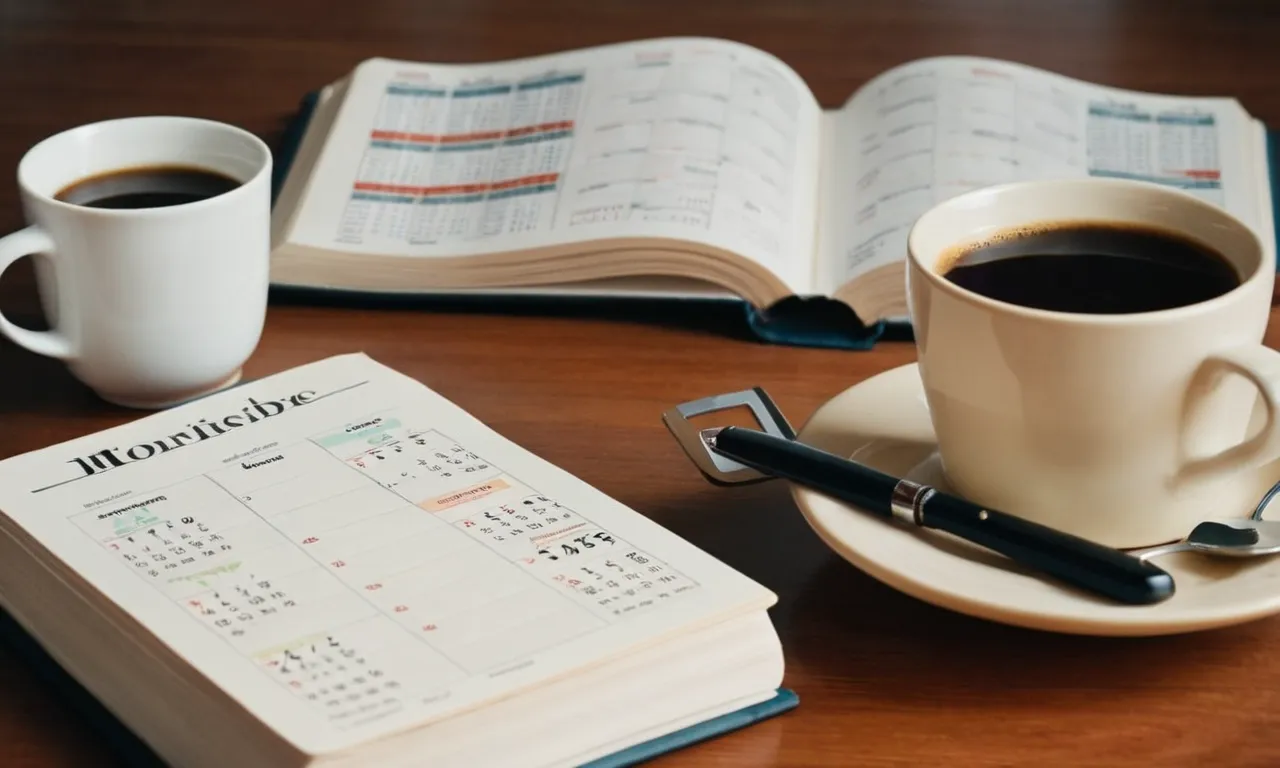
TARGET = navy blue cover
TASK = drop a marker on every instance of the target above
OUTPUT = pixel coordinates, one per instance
(1273, 155)
(785, 700)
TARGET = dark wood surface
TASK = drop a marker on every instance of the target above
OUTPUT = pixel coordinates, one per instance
(883, 679)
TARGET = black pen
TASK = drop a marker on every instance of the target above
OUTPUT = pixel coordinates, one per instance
(1083, 563)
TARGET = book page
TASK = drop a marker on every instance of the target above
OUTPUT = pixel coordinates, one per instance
(699, 140)
(932, 129)
(346, 553)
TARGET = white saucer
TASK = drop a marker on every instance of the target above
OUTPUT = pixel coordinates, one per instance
(883, 422)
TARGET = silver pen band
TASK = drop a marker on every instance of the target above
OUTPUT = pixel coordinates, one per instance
(907, 500)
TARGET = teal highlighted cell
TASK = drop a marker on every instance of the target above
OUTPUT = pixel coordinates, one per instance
(467, 91)
(376, 198)
(520, 191)
(1181, 183)
(1173, 119)
(411, 90)
(534, 138)
(1119, 113)
(548, 82)
(372, 435)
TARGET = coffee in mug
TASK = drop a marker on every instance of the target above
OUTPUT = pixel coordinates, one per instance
(158, 186)
(1105, 268)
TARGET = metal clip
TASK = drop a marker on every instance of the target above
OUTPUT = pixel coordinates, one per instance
(717, 468)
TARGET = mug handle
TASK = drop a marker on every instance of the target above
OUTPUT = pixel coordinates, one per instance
(1261, 366)
(31, 241)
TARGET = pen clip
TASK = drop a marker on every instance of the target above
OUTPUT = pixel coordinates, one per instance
(716, 467)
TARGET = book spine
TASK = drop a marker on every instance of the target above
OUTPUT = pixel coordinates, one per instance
(287, 147)
(126, 747)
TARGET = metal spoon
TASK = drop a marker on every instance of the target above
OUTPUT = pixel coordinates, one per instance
(1251, 537)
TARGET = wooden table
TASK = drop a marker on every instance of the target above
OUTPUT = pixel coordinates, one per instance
(883, 679)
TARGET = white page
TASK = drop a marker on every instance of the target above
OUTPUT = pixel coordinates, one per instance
(363, 523)
(702, 140)
(929, 130)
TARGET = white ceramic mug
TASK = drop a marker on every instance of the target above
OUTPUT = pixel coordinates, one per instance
(148, 306)
(1124, 429)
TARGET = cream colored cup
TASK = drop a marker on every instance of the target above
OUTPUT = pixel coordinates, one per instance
(1124, 429)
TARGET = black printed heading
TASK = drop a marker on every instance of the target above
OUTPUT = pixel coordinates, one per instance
(204, 429)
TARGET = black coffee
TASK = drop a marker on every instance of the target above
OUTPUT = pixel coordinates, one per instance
(1093, 269)
(154, 186)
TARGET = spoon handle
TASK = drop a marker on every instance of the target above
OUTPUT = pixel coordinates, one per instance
(1163, 549)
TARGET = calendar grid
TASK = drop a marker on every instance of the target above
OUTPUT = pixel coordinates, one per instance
(411, 501)
(267, 520)
(342, 584)
(390, 445)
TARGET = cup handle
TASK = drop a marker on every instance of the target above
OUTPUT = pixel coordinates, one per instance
(31, 241)
(1261, 366)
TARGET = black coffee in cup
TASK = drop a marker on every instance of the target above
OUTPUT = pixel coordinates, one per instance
(156, 186)
(1091, 269)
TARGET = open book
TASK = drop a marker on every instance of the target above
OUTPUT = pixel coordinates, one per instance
(337, 566)
(699, 168)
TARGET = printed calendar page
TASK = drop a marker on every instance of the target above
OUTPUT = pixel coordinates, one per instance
(699, 140)
(936, 128)
(347, 553)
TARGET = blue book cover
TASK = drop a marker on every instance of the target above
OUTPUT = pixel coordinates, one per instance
(1273, 162)
(785, 700)
(132, 751)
